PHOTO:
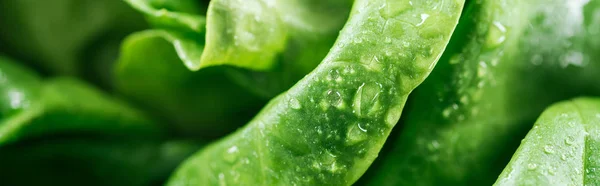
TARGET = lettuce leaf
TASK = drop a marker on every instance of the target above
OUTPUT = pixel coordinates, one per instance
(202, 103)
(85, 161)
(500, 71)
(330, 126)
(36, 108)
(214, 102)
(67, 37)
(562, 148)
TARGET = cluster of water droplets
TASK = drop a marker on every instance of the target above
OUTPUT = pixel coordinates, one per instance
(475, 73)
(329, 162)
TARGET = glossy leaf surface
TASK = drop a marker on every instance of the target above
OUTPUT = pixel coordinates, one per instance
(562, 148)
(329, 127)
(499, 73)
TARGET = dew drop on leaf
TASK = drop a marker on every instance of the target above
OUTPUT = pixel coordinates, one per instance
(496, 35)
(355, 134)
(366, 99)
(531, 166)
(570, 140)
(295, 104)
(549, 149)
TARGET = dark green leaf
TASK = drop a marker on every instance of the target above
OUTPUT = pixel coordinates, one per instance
(62, 105)
(203, 103)
(66, 37)
(92, 162)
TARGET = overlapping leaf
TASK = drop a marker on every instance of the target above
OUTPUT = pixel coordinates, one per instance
(329, 127)
(507, 62)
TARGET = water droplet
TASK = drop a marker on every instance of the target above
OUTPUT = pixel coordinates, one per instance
(536, 59)
(326, 159)
(361, 127)
(232, 149)
(480, 84)
(334, 74)
(549, 149)
(496, 34)
(531, 166)
(464, 99)
(455, 59)
(231, 154)
(495, 62)
(423, 19)
(358, 40)
(295, 104)
(366, 100)
(371, 62)
(434, 145)
(392, 8)
(572, 58)
(334, 98)
(17, 99)
(355, 134)
(447, 111)
(482, 69)
(461, 117)
(551, 171)
(570, 140)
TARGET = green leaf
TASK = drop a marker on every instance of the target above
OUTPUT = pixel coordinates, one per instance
(204, 103)
(499, 73)
(82, 161)
(178, 15)
(66, 37)
(562, 148)
(18, 87)
(248, 34)
(185, 95)
(308, 43)
(329, 127)
(62, 106)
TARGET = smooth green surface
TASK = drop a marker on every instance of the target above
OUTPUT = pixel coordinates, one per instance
(506, 62)
(94, 162)
(204, 103)
(562, 148)
(67, 37)
(62, 106)
(329, 127)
